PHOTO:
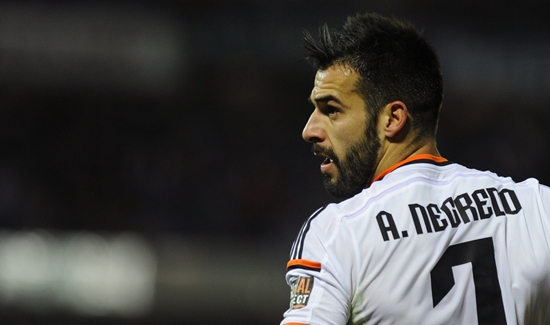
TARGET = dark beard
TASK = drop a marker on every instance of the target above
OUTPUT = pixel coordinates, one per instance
(356, 169)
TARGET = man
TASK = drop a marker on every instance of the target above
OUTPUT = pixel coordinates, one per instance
(418, 240)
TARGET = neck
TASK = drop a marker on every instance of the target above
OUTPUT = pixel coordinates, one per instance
(397, 152)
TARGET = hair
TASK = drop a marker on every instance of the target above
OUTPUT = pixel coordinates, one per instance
(393, 60)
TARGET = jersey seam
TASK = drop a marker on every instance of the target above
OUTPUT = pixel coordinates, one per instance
(298, 248)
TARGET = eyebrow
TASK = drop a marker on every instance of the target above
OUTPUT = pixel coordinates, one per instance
(325, 99)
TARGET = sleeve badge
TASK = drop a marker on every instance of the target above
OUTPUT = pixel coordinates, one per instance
(300, 291)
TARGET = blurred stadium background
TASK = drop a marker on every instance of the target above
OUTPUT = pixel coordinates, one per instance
(152, 169)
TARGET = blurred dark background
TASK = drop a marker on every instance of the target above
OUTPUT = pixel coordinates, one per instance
(179, 123)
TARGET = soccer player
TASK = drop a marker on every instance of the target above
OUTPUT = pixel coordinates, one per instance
(418, 239)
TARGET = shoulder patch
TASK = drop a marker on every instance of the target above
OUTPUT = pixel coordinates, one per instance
(300, 292)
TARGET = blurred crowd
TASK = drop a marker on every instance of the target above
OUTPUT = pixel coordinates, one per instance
(220, 152)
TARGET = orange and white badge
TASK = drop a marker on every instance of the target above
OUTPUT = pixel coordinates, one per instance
(300, 292)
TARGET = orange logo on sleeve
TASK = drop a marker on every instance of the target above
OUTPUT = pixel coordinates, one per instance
(301, 291)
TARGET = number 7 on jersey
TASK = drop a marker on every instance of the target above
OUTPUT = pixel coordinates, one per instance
(481, 253)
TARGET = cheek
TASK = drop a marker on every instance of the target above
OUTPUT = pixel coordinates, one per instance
(347, 141)
(355, 132)
(349, 133)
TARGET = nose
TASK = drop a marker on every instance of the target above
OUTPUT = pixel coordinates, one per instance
(313, 131)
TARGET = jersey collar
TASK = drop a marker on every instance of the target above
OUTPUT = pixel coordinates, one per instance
(417, 158)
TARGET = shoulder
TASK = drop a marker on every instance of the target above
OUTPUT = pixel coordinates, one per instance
(329, 219)
(531, 189)
(438, 176)
(324, 227)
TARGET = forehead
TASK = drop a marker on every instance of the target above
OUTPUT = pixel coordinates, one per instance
(337, 80)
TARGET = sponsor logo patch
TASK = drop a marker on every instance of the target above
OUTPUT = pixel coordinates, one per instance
(300, 292)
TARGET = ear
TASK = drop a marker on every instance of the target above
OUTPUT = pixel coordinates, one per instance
(396, 116)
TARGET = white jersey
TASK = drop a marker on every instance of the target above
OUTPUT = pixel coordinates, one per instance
(432, 242)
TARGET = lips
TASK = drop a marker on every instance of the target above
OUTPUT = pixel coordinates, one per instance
(327, 165)
(329, 158)
(327, 161)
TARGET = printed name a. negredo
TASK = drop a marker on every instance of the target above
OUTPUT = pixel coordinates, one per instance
(479, 205)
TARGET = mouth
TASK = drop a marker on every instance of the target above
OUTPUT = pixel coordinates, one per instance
(327, 161)
(327, 164)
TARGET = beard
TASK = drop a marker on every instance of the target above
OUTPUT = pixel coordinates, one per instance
(356, 169)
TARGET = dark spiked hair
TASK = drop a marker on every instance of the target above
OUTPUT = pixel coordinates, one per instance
(394, 62)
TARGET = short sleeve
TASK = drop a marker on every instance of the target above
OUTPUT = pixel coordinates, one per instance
(319, 289)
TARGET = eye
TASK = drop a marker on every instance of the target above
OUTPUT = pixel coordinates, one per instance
(331, 110)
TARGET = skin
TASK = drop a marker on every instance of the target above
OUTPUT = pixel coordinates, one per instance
(339, 127)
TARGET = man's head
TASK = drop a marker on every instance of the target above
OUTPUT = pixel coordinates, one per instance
(374, 64)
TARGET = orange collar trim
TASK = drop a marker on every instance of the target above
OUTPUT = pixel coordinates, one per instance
(423, 156)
